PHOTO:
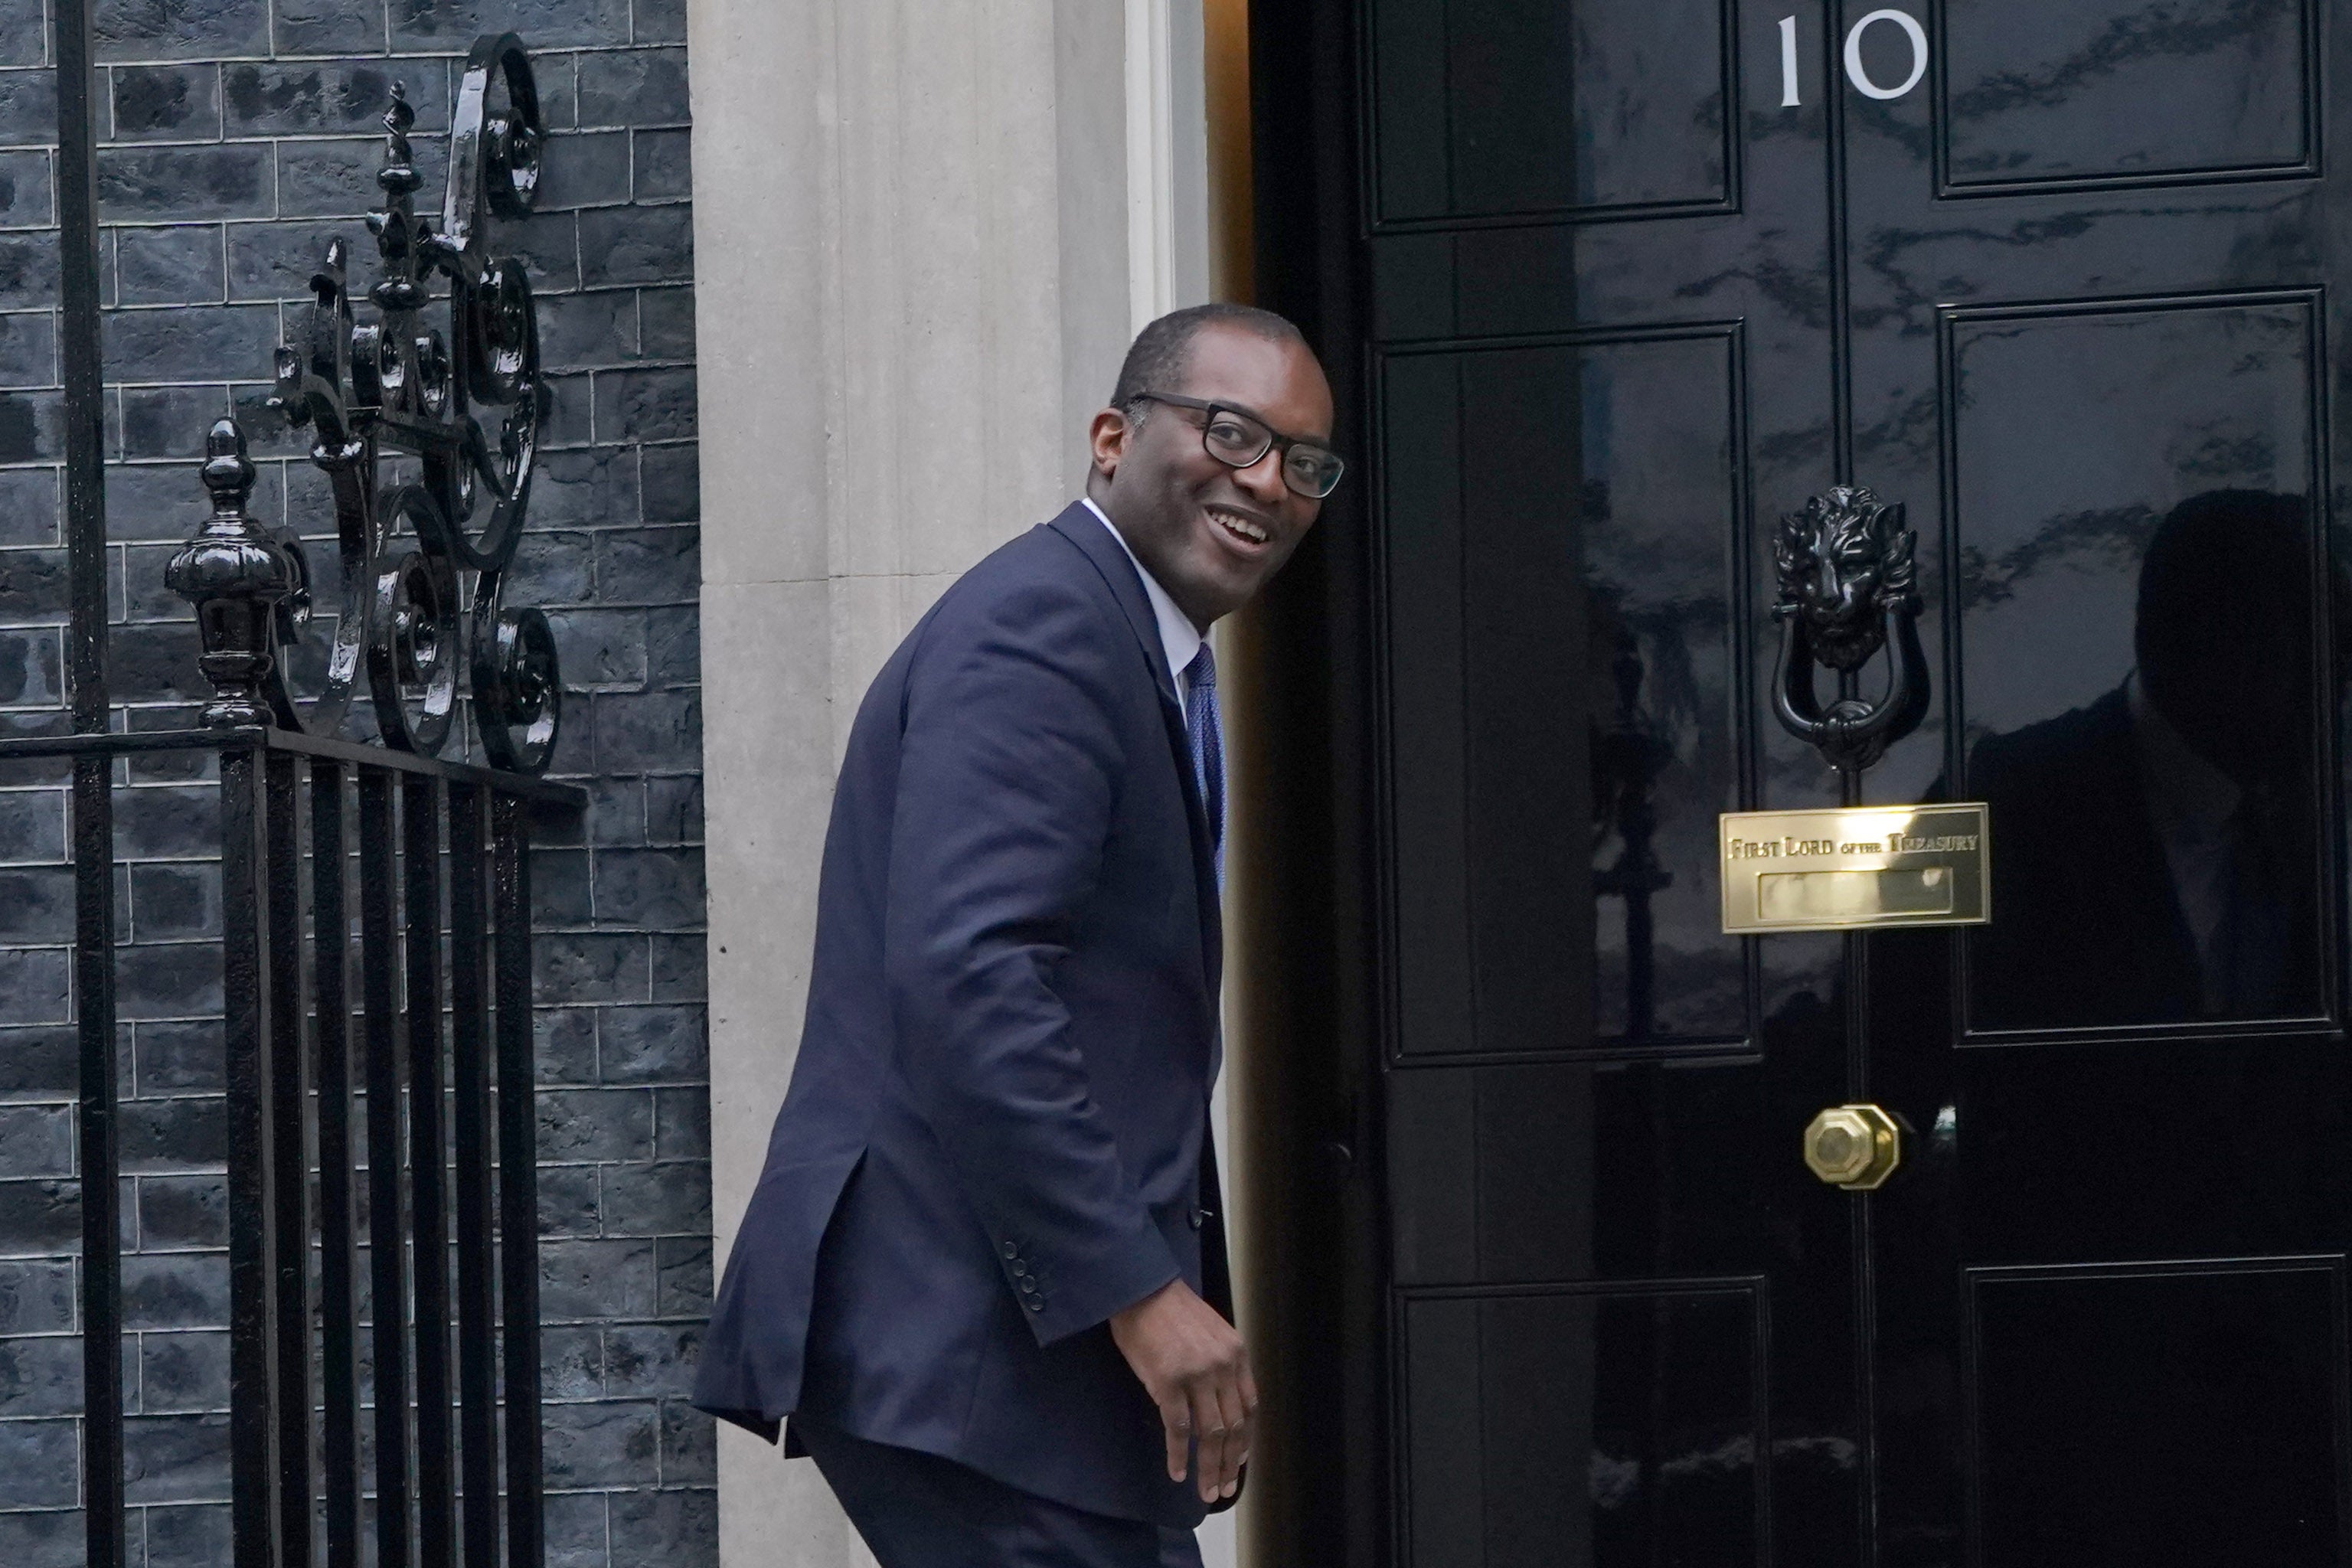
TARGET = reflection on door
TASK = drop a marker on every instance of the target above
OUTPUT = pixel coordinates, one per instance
(2136, 626)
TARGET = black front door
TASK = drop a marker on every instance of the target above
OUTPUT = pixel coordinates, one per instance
(1629, 282)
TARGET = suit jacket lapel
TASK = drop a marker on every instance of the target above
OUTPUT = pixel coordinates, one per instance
(1083, 529)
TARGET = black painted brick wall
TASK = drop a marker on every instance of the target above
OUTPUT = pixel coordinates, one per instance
(242, 132)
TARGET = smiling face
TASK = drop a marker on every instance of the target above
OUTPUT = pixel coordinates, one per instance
(1211, 535)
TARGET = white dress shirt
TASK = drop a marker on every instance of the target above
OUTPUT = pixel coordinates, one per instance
(1180, 639)
(2191, 804)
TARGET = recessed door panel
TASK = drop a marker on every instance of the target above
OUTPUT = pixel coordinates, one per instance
(2167, 1413)
(2045, 92)
(1604, 1426)
(2136, 621)
(1524, 109)
(1566, 520)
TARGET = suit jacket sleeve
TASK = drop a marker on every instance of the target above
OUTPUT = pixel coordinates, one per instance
(1010, 768)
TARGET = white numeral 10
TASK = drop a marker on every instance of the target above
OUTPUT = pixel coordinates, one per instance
(1853, 70)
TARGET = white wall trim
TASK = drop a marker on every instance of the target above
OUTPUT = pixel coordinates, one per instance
(1150, 162)
(1167, 158)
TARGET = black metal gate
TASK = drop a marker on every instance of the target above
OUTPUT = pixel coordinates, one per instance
(379, 1088)
(382, 1194)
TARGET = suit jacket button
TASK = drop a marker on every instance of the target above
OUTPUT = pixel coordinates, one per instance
(1035, 1305)
(1011, 1249)
(1028, 1286)
(1019, 1266)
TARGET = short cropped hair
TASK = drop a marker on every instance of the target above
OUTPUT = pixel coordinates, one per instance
(1156, 361)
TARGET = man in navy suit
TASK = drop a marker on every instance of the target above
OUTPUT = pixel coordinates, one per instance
(983, 1273)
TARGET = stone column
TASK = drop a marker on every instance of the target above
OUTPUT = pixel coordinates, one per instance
(913, 287)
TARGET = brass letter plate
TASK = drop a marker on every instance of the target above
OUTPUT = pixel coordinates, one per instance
(1847, 870)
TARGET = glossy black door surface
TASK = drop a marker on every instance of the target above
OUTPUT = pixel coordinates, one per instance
(1622, 1330)
(2066, 277)
(2098, 277)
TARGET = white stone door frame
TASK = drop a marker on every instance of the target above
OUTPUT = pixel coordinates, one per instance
(1167, 158)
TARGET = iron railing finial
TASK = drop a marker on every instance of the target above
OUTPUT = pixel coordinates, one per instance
(236, 576)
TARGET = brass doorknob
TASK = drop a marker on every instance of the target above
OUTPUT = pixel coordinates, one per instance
(1855, 1147)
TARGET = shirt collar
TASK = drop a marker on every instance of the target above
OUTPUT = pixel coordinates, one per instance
(1180, 639)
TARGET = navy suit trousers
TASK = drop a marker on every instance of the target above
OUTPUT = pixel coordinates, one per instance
(919, 1511)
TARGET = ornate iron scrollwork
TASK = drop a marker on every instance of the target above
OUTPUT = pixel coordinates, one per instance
(397, 383)
(1847, 590)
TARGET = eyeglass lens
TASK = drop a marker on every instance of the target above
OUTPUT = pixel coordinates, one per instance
(1239, 442)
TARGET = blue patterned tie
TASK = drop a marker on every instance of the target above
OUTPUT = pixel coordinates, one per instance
(1205, 734)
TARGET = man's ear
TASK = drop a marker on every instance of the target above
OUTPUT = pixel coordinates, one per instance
(1107, 439)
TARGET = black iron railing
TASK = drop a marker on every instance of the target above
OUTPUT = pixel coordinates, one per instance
(381, 1117)
(381, 1196)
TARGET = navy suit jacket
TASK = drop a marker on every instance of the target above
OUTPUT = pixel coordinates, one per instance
(996, 1135)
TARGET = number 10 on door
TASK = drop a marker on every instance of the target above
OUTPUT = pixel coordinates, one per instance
(1912, 34)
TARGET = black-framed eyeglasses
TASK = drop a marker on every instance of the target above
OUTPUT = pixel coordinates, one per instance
(1237, 440)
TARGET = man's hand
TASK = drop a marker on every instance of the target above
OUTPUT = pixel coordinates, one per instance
(1197, 1372)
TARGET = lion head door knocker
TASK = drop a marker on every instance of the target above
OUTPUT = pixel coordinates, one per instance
(1847, 590)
